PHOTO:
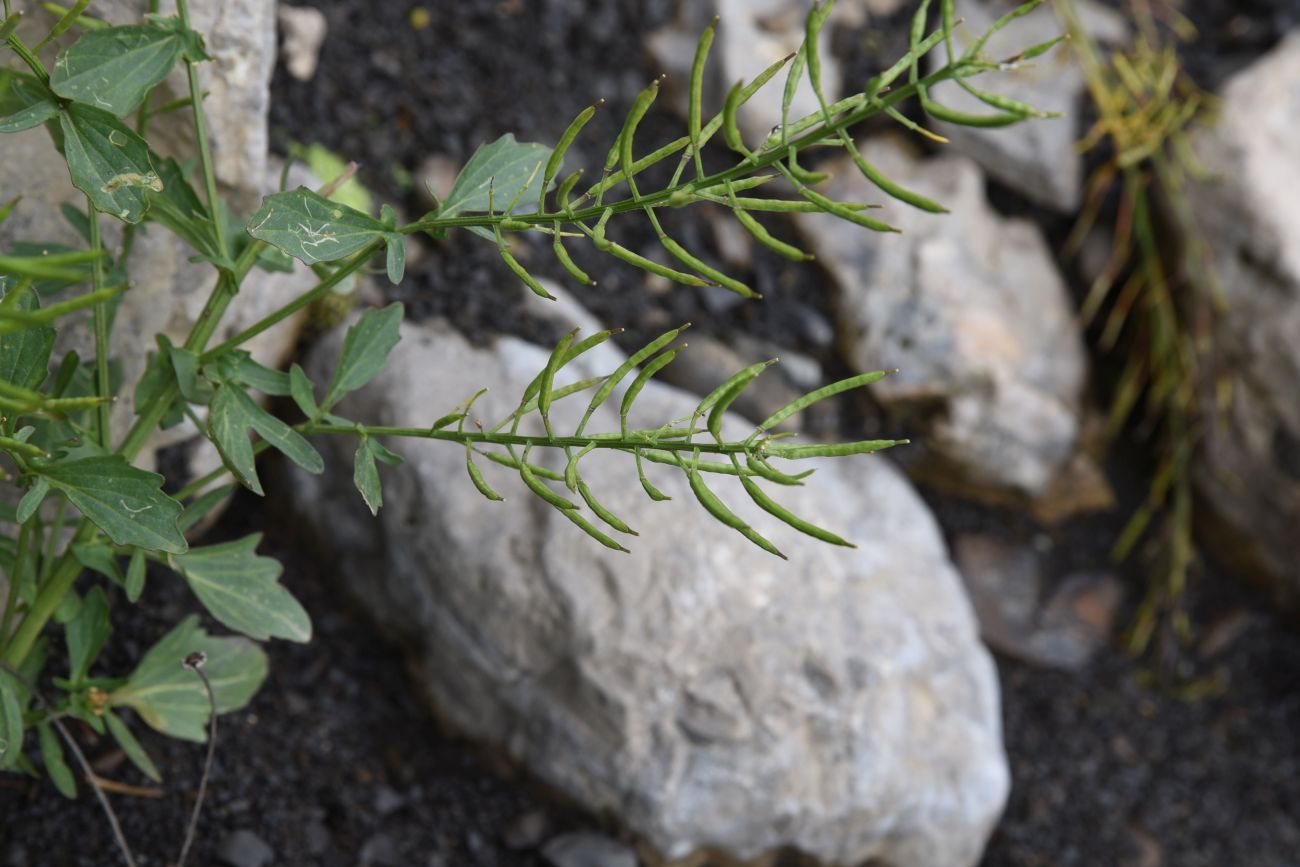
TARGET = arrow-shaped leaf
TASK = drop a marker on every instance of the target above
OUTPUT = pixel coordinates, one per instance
(242, 590)
(311, 228)
(171, 698)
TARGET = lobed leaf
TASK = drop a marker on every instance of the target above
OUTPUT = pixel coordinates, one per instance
(172, 700)
(241, 589)
(312, 228)
(125, 502)
(116, 67)
(505, 168)
(108, 162)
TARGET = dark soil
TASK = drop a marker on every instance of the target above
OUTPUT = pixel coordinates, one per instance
(337, 762)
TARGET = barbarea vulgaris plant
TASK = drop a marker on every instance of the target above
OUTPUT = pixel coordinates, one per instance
(80, 503)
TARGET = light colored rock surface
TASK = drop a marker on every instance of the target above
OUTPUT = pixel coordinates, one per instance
(1037, 159)
(971, 308)
(303, 29)
(752, 35)
(1250, 468)
(705, 692)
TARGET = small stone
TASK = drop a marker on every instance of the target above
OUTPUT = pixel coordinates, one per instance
(243, 848)
(526, 831)
(1079, 488)
(303, 29)
(388, 801)
(317, 838)
(588, 849)
(381, 850)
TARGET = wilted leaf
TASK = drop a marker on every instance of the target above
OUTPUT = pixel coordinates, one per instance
(171, 698)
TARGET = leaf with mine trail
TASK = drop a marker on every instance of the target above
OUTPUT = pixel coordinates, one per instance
(171, 698)
(108, 162)
(496, 175)
(124, 501)
(115, 68)
(311, 228)
(242, 589)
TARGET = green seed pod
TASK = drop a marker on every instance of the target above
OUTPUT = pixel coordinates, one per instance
(715, 507)
(776, 510)
(730, 130)
(566, 188)
(603, 513)
(755, 228)
(612, 381)
(833, 207)
(697, 92)
(557, 155)
(529, 280)
(651, 491)
(567, 262)
(591, 531)
(639, 383)
(476, 476)
(571, 468)
(681, 254)
(653, 267)
(639, 108)
(541, 489)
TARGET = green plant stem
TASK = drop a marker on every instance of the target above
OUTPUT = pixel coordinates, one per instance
(26, 56)
(205, 148)
(47, 600)
(349, 267)
(852, 111)
(103, 412)
(503, 439)
(15, 579)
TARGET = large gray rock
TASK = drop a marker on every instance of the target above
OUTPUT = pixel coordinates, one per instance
(971, 308)
(1038, 159)
(704, 691)
(1249, 472)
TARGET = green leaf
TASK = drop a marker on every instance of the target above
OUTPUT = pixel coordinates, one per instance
(259, 376)
(108, 162)
(32, 500)
(203, 505)
(11, 721)
(115, 68)
(396, 244)
(228, 424)
(178, 208)
(131, 747)
(24, 102)
(55, 766)
(242, 590)
(365, 475)
(99, 557)
(86, 634)
(171, 698)
(135, 575)
(283, 438)
(25, 354)
(311, 228)
(511, 170)
(365, 351)
(124, 501)
(301, 390)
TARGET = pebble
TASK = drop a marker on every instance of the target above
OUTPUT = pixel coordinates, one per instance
(303, 29)
(380, 851)
(587, 849)
(526, 831)
(243, 848)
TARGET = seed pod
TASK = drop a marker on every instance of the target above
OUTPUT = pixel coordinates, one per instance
(567, 262)
(529, 280)
(541, 489)
(591, 531)
(776, 510)
(603, 513)
(681, 254)
(612, 381)
(651, 491)
(639, 383)
(730, 131)
(697, 92)
(719, 510)
(476, 476)
(765, 238)
(653, 267)
(557, 155)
